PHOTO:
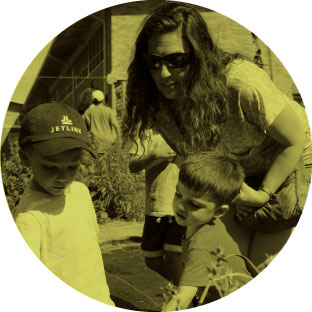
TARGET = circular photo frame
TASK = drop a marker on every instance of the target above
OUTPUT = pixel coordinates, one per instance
(88, 63)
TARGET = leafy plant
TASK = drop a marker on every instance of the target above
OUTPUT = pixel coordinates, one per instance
(171, 292)
(221, 278)
(114, 190)
(15, 176)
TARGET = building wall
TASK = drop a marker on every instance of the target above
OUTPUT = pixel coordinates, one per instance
(96, 80)
(233, 37)
(84, 71)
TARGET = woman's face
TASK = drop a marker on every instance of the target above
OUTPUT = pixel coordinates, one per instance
(168, 80)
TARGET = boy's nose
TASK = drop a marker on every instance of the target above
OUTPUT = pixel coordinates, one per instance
(181, 208)
(62, 176)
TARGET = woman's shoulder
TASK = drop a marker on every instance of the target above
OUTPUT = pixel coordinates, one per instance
(247, 79)
(243, 72)
(240, 66)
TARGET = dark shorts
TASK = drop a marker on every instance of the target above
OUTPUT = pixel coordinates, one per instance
(161, 234)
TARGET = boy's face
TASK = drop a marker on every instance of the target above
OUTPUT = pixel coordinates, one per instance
(190, 208)
(52, 174)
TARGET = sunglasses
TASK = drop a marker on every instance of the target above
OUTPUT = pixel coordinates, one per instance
(174, 60)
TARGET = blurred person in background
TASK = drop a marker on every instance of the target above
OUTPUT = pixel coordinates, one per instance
(101, 122)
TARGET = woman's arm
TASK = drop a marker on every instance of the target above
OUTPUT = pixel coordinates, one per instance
(287, 130)
(182, 300)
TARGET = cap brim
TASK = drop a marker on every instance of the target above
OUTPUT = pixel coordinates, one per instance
(59, 145)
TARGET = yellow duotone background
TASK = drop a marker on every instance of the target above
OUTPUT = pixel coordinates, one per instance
(23, 88)
(26, 27)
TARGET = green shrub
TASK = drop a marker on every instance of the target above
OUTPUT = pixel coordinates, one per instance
(221, 279)
(115, 192)
(15, 176)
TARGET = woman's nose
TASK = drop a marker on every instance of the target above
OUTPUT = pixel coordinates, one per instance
(164, 71)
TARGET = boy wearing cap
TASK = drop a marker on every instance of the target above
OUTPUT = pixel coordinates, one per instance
(55, 215)
(101, 122)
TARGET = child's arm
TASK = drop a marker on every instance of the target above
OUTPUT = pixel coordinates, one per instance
(162, 152)
(30, 229)
(182, 300)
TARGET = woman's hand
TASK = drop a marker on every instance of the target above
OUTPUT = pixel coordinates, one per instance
(243, 211)
(249, 197)
(248, 200)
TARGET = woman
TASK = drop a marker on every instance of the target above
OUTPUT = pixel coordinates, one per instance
(199, 98)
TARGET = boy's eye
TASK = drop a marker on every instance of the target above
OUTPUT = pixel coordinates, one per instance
(73, 167)
(177, 194)
(196, 206)
(48, 167)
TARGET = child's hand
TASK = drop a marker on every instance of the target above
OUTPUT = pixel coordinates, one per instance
(162, 150)
(177, 160)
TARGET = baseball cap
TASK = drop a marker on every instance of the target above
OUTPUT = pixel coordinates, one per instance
(54, 128)
(97, 96)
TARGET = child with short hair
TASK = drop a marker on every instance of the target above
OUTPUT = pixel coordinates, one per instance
(208, 183)
(161, 238)
(55, 215)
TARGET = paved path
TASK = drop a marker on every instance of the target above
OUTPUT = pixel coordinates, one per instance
(132, 285)
(119, 230)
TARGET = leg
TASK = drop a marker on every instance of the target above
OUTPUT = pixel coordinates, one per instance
(172, 249)
(152, 243)
(267, 244)
(170, 266)
(157, 265)
(161, 247)
(173, 266)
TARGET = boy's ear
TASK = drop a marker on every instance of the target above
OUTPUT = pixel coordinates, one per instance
(24, 157)
(221, 210)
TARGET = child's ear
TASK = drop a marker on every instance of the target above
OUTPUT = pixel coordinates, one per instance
(221, 210)
(24, 157)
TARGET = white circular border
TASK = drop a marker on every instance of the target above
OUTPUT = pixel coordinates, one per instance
(27, 27)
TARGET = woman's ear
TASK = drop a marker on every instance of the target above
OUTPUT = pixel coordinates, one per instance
(24, 157)
(221, 210)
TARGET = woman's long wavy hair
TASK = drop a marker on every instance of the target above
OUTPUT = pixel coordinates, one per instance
(205, 105)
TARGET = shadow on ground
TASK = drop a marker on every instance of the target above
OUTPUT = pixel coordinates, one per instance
(132, 285)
